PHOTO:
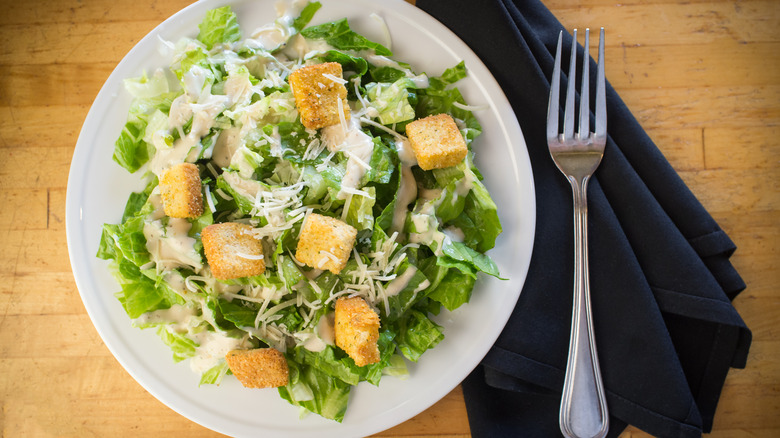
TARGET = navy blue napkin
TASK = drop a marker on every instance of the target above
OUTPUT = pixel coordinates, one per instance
(661, 280)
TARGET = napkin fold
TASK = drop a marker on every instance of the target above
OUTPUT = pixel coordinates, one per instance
(660, 276)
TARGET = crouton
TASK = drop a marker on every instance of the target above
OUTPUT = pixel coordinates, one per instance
(232, 251)
(436, 142)
(180, 191)
(357, 330)
(325, 243)
(259, 367)
(320, 99)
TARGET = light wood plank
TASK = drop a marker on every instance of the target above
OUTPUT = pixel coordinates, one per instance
(718, 194)
(665, 23)
(47, 12)
(656, 66)
(441, 419)
(30, 252)
(735, 106)
(751, 148)
(35, 168)
(42, 126)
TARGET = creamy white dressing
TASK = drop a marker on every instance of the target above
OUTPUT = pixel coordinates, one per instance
(321, 336)
(431, 237)
(465, 184)
(212, 348)
(359, 145)
(228, 141)
(195, 80)
(155, 200)
(177, 317)
(180, 112)
(407, 192)
(239, 90)
(405, 151)
(310, 341)
(244, 187)
(325, 329)
(188, 148)
(169, 246)
(454, 233)
(399, 283)
(312, 273)
(273, 35)
(429, 194)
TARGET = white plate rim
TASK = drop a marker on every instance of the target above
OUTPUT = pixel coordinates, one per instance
(518, 229)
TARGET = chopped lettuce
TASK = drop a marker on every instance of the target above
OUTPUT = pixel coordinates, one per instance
(339, 35)
(225, 105)
(219, 26)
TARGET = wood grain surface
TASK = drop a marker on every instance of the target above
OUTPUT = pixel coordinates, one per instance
(703, 78)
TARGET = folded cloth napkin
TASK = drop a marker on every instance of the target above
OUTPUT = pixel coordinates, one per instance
(661, 280)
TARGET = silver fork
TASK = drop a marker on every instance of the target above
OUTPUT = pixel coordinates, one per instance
(583, 405)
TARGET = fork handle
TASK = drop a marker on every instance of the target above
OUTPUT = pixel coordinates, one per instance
(583, 411)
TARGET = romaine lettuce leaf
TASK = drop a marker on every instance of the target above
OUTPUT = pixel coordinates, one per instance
(219, 26)
(416, 334)
(316, 391)
(182, 346)
(391, 100)
(453, 290)
(214, 375)
(339, 35)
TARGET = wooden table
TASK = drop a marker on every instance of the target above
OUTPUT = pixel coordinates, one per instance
(702, 77)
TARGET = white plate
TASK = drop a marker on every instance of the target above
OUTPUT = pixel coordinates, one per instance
(98, 189)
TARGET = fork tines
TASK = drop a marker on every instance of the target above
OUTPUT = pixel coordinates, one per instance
(583, 131)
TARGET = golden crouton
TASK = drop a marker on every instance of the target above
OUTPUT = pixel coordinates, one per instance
(180, 191)
(317, 95)
(357, 330)
(325, 243)
(232, 251)
(258, 368)
(436, 142)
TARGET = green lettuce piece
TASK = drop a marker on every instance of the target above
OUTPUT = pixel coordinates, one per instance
(140, 294)
(316, 391)
(191, 58)
(244, 203)
(330, 361)
(453, 290)
(214, 375)
(316, 186)
(360, 214)
(131, 242)
(182, 346)
(373, 372)
(219, 26)
(416, 334)
(406, 297)
(449, 205)
(290, 274)
(130, 151)
(339, 35)
(391, 100)
(458, 255)
(483, 213)
(348, 62)
(240, 313)
(145, 87)
(383, 162)
(306, 15)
